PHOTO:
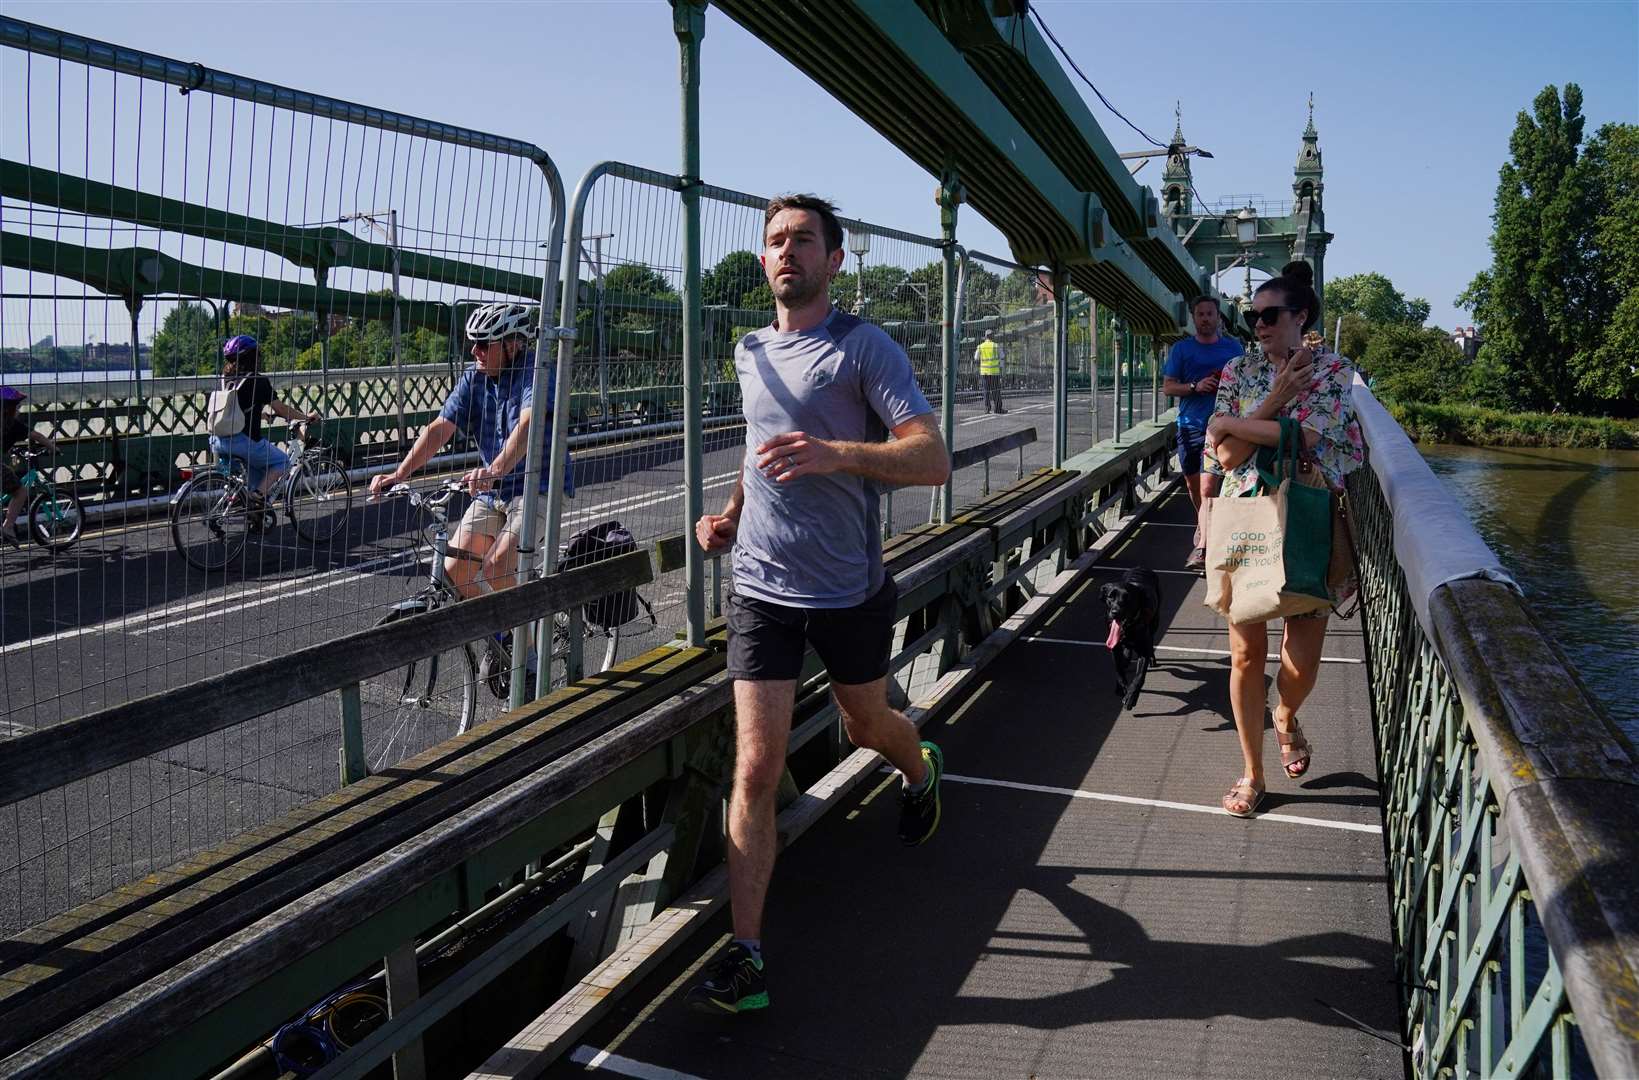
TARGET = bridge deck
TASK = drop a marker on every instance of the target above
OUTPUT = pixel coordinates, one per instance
(1051, 934)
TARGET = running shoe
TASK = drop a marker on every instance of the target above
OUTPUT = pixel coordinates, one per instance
(919, 812)
(1196, 560)
(734, 983)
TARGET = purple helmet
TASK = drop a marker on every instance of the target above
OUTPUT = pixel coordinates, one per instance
(11, 393)
(239, 343)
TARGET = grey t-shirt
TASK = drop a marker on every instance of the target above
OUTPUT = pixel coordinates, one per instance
(816, 541)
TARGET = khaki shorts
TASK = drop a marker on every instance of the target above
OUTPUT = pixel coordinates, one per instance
(488, 516)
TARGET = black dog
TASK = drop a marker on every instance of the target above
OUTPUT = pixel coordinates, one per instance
(1134, 604)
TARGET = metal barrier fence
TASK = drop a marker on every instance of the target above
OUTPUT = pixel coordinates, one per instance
(346, 239)
(1510, 806)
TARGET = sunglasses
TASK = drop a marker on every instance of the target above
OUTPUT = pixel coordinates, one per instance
(1269, 316)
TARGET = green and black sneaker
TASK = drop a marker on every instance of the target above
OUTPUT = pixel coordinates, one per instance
(919, 811)
(733, 984)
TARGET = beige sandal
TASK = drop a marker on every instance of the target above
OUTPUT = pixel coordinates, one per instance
(1244, 794)
(1295, 750)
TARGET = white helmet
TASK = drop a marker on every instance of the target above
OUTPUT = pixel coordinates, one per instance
(493, 322)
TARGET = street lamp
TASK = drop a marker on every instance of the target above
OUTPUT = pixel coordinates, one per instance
(859, 242)
(1246, 231)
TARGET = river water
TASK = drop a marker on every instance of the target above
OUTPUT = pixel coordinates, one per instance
(1566, 524)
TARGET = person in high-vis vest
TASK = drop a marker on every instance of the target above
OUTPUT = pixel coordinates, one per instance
(989, 354)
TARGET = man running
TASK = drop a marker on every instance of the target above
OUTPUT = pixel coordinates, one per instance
(1191, 375)
(822, 389)
(492, 402)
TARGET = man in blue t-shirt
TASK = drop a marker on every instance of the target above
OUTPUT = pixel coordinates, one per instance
(822, 391)
(1191, 375)
(492, 404)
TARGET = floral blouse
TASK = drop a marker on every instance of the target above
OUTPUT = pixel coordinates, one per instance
(1327, 409)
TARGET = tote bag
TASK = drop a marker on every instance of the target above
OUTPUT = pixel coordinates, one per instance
(1250, 539)
(223, 416)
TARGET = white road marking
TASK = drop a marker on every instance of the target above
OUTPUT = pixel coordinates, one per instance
(414, 554)
(1074, 793)
(593, 1058)
(1273, 657)
(638, 502)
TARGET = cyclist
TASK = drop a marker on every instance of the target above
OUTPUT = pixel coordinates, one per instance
(265, 463)
(12, 432)
(492, 402)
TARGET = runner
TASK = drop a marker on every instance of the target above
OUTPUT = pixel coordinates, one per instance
(822, 389)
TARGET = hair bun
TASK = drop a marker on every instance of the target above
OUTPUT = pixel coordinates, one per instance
(1299, 271)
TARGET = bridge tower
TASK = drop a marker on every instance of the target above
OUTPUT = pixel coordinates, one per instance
(1257, 232)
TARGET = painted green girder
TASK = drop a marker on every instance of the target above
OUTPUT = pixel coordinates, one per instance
(1013, 59)
(316, 249)
(907, 80)
(136, 272)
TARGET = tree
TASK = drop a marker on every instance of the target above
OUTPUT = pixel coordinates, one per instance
(638, 278)
(186, 342)
(735, 274)
(1374, 298)
(1415, 363)
(1542, 303)
(1610, 371)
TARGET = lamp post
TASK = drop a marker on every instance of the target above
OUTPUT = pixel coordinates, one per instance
(859, 242)
(1246, 232)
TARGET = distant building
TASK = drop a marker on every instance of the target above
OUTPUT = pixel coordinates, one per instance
(1468, 340)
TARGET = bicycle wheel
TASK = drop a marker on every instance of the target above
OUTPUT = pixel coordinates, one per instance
(55, 517)
(318, 499)
(207, 528)
(419, 705)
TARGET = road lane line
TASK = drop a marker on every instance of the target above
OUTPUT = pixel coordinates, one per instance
(1194, 808)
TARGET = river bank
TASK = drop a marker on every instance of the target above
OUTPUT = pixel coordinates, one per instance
(1470, 425)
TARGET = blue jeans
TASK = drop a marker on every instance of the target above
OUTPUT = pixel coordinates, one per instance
(260, 456)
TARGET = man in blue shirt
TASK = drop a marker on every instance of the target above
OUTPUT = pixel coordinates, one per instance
(1191, 375)
(492, 403)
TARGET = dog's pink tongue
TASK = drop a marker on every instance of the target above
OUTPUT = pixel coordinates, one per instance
(1115, 635)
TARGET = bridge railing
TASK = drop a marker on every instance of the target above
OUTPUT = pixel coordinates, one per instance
(608, 813)
(1511, 803)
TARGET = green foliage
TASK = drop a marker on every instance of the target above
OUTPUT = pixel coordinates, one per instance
(1477, 426)
(637, 278)
(735, 275)
(1414, 363)
(186, 342)
(1372, 297)
(1554, 307)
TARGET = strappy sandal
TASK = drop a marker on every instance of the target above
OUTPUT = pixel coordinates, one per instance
(1243, 793)
(1295, 750)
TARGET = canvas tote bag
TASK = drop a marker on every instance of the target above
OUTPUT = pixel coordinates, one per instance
(223, 416)
(1247, 565)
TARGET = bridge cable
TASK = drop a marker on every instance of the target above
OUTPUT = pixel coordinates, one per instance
(1077, 69)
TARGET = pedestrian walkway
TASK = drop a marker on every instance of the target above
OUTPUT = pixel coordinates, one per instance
(1086, 909)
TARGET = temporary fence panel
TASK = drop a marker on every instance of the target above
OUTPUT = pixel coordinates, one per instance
(141, 226)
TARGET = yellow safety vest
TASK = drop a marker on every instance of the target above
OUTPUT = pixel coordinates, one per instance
(990, 358)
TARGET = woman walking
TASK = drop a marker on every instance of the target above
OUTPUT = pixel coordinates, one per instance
(1280, 378)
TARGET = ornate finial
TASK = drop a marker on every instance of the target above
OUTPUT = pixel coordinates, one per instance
(1178, 127)
(1310, 132)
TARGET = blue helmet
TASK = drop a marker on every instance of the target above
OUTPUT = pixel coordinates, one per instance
(239, 343)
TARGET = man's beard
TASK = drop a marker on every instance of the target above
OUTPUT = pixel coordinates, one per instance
(795, 292)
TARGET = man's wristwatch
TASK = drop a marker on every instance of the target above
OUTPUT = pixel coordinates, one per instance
(1192, 389)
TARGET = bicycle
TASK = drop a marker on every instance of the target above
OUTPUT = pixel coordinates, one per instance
(55, 516)
(436, 698)
(214, 511)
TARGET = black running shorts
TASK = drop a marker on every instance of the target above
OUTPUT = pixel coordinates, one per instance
(766, 641)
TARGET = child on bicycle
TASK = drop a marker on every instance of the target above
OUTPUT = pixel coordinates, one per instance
(12, 432)
(264, 462)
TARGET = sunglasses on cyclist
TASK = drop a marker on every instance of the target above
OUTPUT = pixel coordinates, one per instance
(1268, 316)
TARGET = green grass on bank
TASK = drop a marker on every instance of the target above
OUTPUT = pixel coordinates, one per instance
(1475, 426)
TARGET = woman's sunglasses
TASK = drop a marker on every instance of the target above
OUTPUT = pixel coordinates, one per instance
(1269, 316)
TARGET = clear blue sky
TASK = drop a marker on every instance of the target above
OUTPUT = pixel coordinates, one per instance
(1414, 101)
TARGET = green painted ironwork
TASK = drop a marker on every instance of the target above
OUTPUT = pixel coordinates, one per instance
(1479, 945)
